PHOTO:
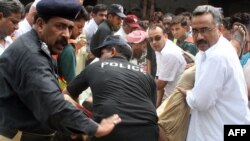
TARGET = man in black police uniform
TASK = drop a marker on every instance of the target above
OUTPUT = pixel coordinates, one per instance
(32, 106)
(109, 26)
(119, 87)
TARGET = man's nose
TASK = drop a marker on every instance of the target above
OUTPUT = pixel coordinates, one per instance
(66, 33)
(199, 36)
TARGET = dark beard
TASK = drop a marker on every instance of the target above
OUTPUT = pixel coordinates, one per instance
(137, 55)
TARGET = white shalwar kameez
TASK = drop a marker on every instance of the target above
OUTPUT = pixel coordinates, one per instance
(219, 96)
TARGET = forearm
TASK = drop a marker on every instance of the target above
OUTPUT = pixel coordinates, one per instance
(160, 94)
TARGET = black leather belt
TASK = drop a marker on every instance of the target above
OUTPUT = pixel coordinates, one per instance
(26, 136)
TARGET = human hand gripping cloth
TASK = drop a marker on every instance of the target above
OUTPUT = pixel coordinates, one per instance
(63, 85)
(174, 118)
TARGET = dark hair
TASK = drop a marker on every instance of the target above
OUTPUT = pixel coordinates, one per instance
(99, 8)
(144, 24)
(123, 51)
(227, 22)
(180, 19)
(8, 7)
(157, 17)
(83, 14)
(187, 14)
(154, 26)
(242, 17)
(89, 8)
(27, 7)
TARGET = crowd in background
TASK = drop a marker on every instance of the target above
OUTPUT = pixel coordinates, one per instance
(198, 65)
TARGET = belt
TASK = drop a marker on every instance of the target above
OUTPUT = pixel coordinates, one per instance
(26, 136)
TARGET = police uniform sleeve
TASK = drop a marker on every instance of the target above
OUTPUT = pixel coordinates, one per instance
(81, 82)
(38, 89)
(153, 92)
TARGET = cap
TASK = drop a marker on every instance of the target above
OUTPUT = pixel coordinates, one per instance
(111, 40)
(35, 3)
(131, 20)
(137, 36)
(116, 9)
(67, 9)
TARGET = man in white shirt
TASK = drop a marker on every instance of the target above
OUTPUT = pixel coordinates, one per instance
(170, 61)
(130, 23)
(99, 14)
(219, 96)
(10, 15)
(26, 24)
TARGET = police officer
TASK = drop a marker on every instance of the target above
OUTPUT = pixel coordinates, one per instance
(119, 86)
(32, 107)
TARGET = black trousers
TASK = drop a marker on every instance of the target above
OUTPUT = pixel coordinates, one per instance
(132, 133)
(8, 133)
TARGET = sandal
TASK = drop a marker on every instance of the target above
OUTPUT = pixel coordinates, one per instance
(239, 34)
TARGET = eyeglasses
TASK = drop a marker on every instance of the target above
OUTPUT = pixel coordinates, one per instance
(203, 30)
(156, 38)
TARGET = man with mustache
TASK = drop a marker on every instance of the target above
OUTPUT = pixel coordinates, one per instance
(32, 105)
(67, 58)
(219, 95)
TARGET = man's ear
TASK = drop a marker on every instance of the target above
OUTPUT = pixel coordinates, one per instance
(113, 51)
(40, 24)
(165, 35)
(221, 27)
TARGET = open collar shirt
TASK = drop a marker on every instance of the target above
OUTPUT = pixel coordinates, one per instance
(170, 65)
(90, 29)
(219, 95)
(8, 41)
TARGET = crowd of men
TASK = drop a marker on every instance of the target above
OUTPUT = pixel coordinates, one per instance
(75, 73)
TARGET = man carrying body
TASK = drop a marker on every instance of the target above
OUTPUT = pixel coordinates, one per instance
(119, 87)
(219, 96)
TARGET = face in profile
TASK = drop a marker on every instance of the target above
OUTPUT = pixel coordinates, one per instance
(116, 22)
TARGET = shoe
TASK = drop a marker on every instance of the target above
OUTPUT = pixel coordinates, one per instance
(239, 33)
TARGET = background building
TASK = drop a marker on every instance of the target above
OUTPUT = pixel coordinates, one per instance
(148, 6)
